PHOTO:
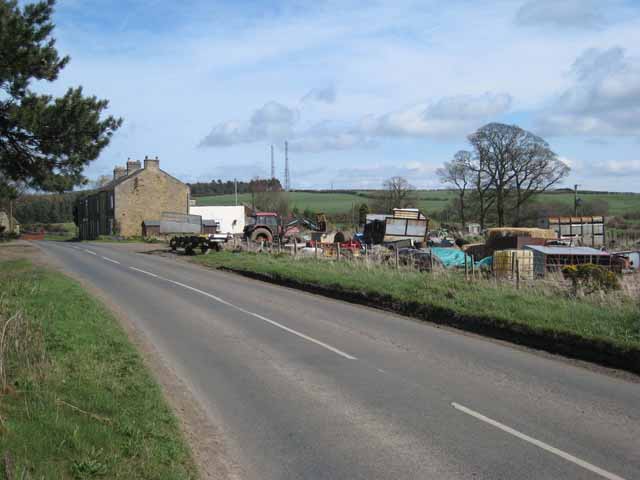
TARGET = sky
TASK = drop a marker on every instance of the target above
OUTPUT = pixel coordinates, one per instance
(362, 90)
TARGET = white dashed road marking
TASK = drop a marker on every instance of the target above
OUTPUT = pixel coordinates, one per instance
(265, 319)
(538, 443)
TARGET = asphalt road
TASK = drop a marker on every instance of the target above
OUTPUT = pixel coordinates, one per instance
(311, 388)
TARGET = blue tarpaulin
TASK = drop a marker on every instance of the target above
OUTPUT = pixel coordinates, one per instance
(451, 257)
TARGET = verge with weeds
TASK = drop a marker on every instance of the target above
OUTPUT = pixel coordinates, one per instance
(551, 312)
(77, 401)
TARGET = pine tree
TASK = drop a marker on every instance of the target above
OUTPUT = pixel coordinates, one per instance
(45, 142)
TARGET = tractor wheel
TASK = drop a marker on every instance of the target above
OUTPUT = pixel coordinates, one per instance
(188, 250)
(204, 249)
(261, 235)
(339, 238)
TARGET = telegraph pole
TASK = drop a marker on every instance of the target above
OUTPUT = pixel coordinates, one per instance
(575, 200)
(235, 187)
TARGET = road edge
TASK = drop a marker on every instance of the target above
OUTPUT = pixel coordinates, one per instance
(203, 437)
(598, 352)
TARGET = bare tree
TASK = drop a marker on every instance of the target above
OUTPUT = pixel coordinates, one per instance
(458, 172)
(536, 169)
(101, 181)
(397, 192)
(514, 162)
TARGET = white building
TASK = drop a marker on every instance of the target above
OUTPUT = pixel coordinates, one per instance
(232, 219)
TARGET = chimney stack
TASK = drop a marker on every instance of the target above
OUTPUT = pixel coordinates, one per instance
(119, 172)
(151, 164)
(132, 166)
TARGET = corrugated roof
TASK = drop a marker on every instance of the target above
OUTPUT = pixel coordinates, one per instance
(560, 250)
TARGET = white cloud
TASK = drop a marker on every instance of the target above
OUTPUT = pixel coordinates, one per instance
(323, 95)
(604, 99)
(272, 122)
(448, 116)
(562, 13)
(618, 167)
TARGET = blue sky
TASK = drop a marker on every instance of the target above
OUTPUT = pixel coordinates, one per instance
(362, 90)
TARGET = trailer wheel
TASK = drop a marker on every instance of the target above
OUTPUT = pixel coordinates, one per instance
(188, 250)
(217, 247)
(204, 249)
(173, 244)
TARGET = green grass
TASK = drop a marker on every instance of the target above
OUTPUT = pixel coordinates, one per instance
(429, 200)
(616, 322)
(86, 407)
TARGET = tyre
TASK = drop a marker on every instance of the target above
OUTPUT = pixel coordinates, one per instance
(261, 235)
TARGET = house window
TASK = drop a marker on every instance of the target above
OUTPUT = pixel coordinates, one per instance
(111, 200)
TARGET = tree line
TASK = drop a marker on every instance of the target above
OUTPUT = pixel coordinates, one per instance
(501, 174)
(218, 187)
(50, 208)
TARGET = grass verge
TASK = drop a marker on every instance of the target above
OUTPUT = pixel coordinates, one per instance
(77, 401)
(603, 332)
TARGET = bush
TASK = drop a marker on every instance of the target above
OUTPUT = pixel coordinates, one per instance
(591, 278)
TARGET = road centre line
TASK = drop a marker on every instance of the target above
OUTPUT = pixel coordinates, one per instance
(146, 273)
(247, 312)
(90, 252)
(111, 260)
(538, 443)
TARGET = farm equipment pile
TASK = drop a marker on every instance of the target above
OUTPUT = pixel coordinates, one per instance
(187, 233)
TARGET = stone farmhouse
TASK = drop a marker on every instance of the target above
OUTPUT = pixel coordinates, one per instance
(137, 194)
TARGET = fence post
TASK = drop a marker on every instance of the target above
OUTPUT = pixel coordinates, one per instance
(517, 273)
(473, 268)
(466, 274)
(316, 250)
(295, 247)
(338, 251)
(397, 257)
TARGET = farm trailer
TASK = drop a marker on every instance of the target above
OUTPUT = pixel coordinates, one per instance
(187, 233)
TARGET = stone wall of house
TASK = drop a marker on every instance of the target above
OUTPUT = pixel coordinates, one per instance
(145, 196)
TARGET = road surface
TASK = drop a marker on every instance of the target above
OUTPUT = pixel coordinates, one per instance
(311, 388)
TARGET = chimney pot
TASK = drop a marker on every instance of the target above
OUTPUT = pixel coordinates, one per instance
(153, 164)
(132, 166)
(119, 172)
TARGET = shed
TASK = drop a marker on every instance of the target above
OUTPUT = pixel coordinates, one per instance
(210, 226)
(231, 219)
(151, 228)
(553, 258)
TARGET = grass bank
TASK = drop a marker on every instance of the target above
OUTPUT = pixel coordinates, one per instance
(606, 331)
(77, 401)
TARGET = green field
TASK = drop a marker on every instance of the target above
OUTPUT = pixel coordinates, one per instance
(430, 201)
(78, 402)
(318, 202)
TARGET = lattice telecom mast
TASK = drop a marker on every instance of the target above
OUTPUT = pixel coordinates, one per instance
(287, 178)
(273, 164)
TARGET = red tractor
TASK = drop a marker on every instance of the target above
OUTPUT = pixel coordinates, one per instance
(267, 226)
(264, 227)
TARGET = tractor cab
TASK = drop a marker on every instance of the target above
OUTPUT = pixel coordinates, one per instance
(263, 227)
(265, 218)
